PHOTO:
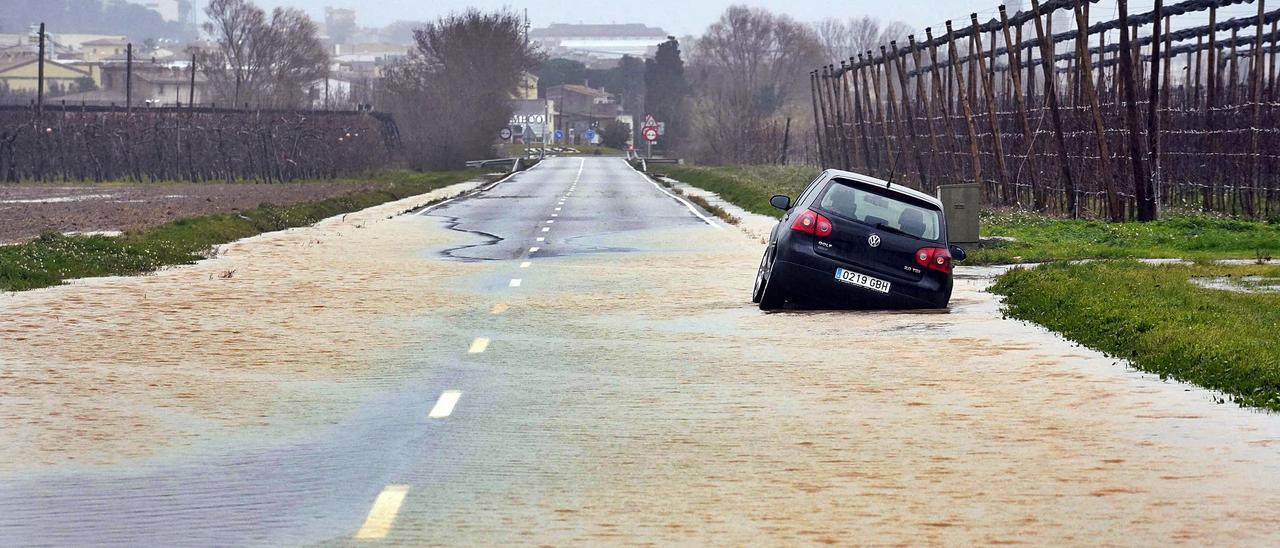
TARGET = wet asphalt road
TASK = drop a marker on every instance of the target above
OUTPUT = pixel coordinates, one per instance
(319, 487)
(570, 357)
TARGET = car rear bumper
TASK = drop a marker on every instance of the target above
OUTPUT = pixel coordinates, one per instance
(815, 283)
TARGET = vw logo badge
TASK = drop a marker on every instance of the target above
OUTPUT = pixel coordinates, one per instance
(874, 240)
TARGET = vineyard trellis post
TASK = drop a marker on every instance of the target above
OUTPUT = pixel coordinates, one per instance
(1255, 100)
(1051, 99)
(128, 78)
(1148, 209)
(817, 122)
(965, 108)
(992, 114)
(40, 73)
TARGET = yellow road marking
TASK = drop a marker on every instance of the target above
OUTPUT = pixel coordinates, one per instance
(444, 405)
(499, 309)
(383, 513)
(479, 345)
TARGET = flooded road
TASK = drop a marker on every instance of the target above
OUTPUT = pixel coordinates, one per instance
(571, 357)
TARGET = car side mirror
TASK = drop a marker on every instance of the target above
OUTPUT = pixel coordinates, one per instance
(780, 201)
(958, 253)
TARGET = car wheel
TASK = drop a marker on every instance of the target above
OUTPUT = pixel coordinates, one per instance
(771, 295)
(759, 288)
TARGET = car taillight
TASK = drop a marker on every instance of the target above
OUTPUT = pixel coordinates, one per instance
(810, 222)
(937, 258)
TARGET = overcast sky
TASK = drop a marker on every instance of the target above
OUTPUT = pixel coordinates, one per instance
(679, 17)
(685, 17)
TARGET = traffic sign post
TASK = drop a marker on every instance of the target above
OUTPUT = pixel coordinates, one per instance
(650, 131)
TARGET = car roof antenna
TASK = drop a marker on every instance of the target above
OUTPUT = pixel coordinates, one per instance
(897, 156)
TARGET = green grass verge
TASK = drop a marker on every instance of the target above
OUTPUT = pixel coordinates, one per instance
(53, 258)
(748, 187)
(1037, 238)
(1161, 322)
(1198, 237)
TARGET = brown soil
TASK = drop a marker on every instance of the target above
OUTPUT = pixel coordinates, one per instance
(26, 211)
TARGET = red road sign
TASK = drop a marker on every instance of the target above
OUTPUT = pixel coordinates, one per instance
(650, 134)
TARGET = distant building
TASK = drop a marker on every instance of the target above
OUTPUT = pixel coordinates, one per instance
(582, 108)
(154, 84)
(339, 24)
(95, 51)
(23, 75)
(586, 42)
(180, 11)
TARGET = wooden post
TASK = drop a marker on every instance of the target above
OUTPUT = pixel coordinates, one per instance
(944, 104)
(837, 89)
(191, 92)
(900, 134)
(817, 120)
(40, 73)
(876, 144)
(1199, 79)
(1255, 98)
(909, 115)
(881, 117)
(922, 97)
(1233, 78)
(128, 78)
(847, 127)
(1271, 66)
(1150, 207)
(1115, 207)
(828, 155)
(1014, 53)
(993, 116)
(858, 92)
(1051, 98)
(954, 58)
(1211, 101)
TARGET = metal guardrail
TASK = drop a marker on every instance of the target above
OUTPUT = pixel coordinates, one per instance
(516, 163)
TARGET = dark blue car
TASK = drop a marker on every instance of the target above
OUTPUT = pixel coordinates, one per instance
(855, 241)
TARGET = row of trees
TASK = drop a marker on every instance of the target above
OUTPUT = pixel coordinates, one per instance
(261, 60)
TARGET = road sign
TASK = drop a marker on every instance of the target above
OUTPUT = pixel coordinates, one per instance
(505, 133)
(650, 134)
(559, 135)
(650, 121)
(590, 136)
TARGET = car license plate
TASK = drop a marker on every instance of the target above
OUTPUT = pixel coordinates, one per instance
(862, 280)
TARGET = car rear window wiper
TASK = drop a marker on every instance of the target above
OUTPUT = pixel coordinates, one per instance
(888, 228)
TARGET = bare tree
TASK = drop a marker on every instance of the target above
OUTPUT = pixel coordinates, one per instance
(749, 70)
(452, 94)
(845, 38)
(260, 61)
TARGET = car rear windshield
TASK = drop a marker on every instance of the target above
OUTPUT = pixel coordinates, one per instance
(883, 208)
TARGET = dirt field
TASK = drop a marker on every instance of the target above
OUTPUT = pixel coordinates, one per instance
(28, 210)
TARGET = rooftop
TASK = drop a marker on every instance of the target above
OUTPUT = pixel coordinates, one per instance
(629, 30)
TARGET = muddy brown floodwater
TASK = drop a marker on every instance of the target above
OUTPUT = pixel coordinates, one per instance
(638, 396)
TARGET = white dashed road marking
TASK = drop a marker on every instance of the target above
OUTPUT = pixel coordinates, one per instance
(516, 282)
(479, 345)
(444, 405)
(499, 309)
(526, 264)
(383, 513)
(533, 250)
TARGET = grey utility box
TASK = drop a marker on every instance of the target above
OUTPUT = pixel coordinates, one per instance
(961, 203)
